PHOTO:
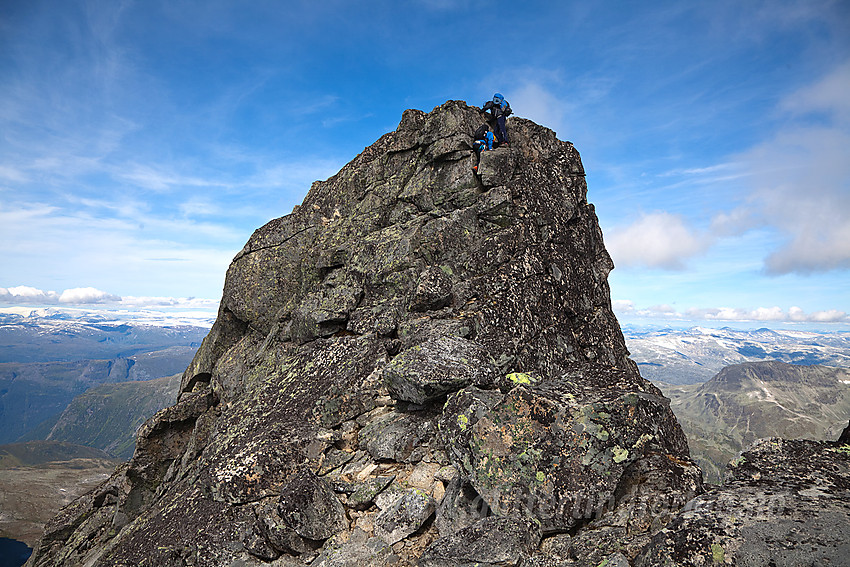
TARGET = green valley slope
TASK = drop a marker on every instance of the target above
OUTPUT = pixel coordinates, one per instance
(745, 402)
(107, 416)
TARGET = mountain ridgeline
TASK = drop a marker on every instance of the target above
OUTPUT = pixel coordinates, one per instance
(33, 395)
(746, 402)
(420, 366)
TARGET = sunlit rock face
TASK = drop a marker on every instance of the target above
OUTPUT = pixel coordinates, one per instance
(418, 365)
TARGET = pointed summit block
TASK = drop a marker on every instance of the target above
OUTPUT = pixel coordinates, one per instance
(409, 317)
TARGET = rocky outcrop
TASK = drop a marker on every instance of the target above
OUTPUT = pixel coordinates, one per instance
(783, 502)
(419, 365)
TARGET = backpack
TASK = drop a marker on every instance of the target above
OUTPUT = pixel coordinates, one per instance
(499, 100)
(485, 142)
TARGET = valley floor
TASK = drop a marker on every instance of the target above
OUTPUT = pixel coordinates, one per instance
(30, 496)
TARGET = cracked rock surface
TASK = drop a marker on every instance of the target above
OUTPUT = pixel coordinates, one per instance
(418, 365)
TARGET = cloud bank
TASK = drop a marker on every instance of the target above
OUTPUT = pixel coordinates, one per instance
(731, 314)
(795, 184)
(84, 296)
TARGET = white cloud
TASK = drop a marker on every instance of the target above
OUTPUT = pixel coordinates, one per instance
(160, 180)
(801, 179)
(829, 316)
(26, 294)
(130, 302)
(10, 173)
(83, 296)
(663, 309)
(829, 95)
(536, 103)
(86, 295)
(656, 240)
(773, 314)
(734, 222)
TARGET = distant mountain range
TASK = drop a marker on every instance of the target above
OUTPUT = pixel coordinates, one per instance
(59, 337)
(47, 361)
(745, 402)
(74, 390)
(690, 356)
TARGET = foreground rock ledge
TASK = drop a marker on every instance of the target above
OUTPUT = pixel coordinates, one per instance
(418, 365)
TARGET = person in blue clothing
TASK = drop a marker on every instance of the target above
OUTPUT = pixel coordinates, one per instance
(483, 140)
(499, 110)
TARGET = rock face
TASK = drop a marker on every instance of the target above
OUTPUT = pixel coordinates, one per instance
(419, 365)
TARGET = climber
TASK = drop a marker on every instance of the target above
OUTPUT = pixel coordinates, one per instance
(499, 110)
(483, 141)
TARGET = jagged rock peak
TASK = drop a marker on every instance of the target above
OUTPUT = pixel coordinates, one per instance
(418, 365)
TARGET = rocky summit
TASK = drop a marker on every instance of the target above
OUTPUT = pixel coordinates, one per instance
(419, 366)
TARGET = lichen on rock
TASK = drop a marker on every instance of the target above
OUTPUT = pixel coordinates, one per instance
(419, 363)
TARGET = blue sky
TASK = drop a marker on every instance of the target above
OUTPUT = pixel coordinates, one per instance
(142, 142)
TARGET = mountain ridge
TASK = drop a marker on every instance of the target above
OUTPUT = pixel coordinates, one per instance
(418, 365)
(749, 401)
(694, 355)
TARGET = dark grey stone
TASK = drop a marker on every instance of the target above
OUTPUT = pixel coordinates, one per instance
(308, 504)
(429, 371)
(490, 542)
(406, 515)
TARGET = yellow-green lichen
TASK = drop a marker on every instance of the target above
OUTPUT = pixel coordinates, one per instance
(462, 422)
(541, 476)
(519, 378)
(620, 454)
(642, 440)
(735, 463)
(717, 553)
(844, 449)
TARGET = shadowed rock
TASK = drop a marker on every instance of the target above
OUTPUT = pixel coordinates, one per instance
(490, 542)
(308, 504)
(437, 367)
(419, 362)
(783, 502)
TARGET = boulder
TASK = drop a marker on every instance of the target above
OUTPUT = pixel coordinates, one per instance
(557, 450)
(460, 507)
(356, 549)
(397, 436)
(308, 504)
(496, 167)
(433, 290)
(490, 542)
(427, 372)
(403, 517)
(365, 493)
